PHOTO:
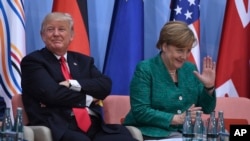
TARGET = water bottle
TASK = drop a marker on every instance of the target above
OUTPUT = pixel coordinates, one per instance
(221, 126)
(18, 126)
(198, 127)
(7, 134)
(212, 133)
(7, 122)
(187, 131)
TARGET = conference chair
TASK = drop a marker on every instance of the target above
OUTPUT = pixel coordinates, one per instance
(115, 108)
(235, 110)
(40, 133)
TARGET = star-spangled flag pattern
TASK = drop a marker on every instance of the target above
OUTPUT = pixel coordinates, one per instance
(189, 11)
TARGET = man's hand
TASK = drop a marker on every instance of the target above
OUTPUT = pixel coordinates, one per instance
(98, 102)
(65, 83)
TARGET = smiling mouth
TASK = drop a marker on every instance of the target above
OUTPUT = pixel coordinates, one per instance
(56, 42)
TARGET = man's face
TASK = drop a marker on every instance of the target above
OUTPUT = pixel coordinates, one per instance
(57, 36)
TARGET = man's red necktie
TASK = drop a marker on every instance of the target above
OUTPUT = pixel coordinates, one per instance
(81, 114)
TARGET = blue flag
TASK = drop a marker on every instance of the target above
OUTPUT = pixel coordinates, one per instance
(125, 44)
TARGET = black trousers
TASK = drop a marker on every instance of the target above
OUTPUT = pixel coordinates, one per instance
(97, 132)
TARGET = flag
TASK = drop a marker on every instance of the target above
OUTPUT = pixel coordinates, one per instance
(12, 48)
(78, 10)
(189, 11)
(233, 64)
(125, 44)
(35, 11)
(158, 13)
(99, 23)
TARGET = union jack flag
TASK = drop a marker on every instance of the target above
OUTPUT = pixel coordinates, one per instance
(189, 11)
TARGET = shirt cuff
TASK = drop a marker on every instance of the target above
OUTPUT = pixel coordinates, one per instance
(89, 100)
(74, 85)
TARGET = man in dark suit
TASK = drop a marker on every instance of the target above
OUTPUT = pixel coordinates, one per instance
(49, 98)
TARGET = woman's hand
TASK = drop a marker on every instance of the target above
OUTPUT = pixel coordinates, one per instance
(207, 77)
(179, 118)
(193, 110)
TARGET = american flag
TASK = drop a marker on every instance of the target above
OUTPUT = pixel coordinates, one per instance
(189, 11)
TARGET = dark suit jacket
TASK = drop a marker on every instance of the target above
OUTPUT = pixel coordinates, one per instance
(2, 108)
(48, 103)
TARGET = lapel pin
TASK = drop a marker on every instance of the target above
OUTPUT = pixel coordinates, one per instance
(75, 63)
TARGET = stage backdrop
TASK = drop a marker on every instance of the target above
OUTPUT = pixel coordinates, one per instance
(218, 37)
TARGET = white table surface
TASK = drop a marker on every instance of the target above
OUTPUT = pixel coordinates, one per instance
(173, 139)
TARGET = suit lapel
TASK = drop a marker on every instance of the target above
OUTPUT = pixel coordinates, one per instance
(55, 63)
(73, 65)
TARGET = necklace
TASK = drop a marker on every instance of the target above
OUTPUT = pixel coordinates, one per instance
(172, 73)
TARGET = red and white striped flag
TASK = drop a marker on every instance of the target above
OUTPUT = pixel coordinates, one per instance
(233, 65)
(189, 12)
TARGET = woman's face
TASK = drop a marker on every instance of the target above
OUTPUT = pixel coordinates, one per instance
(173, 56)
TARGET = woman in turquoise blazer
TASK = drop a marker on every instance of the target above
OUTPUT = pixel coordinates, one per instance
(167, 85)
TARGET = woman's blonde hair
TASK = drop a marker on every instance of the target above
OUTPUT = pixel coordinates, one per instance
(176, 33)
